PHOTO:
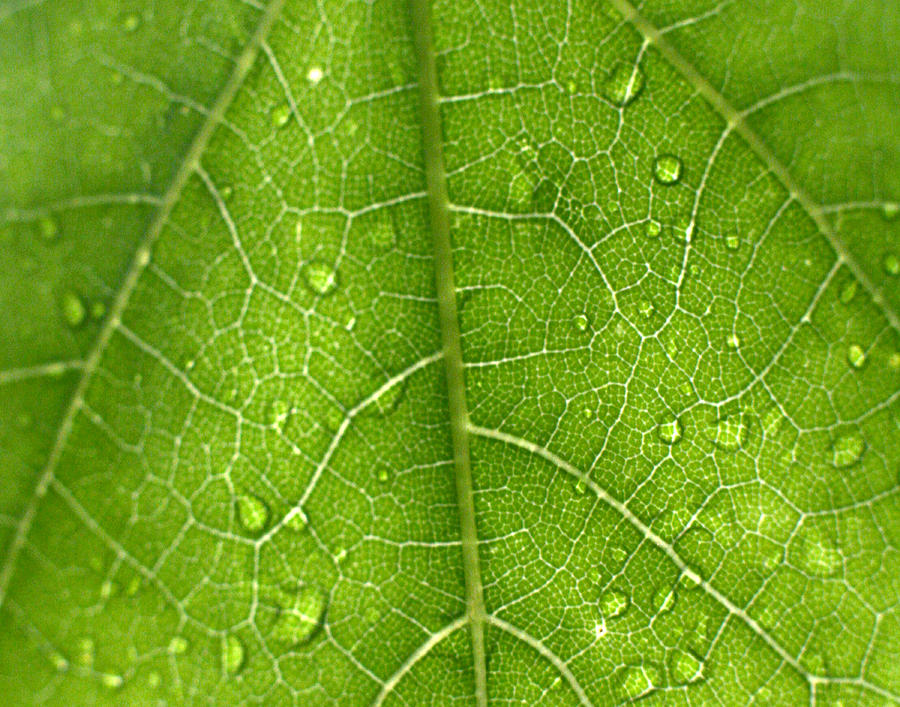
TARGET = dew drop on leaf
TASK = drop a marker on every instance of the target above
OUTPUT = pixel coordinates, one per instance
(733, 342)
(315, 75)
(730, 433)
(320, 277)
(233, 654)
(652, 229)
(667, 169)
(383, 475)
(111, 681)
(98, 310)
(637, 681)
(48, 228)
(891, 264)
(581, 322)
(131, 22)
(73, 309)
(281, 115)
(624, 84)
(669, 432)
(253, 513)
(154, 680)
(818, 555)
(277, 414)
(848, 292)
(58, 661)
(890, 211)
(177, 646)
(664, 599)
(613, 603)
(847, 450)
(296, 519)
(299, 616)
(85, 653)
(732, 242)
(856, 357)
(685, 667)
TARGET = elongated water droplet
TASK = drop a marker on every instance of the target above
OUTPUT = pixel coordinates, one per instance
(856, 357)
(111, 681)
(686, 667)
(772, 419)
(253, 513)
(281, 115)
(73, 309)
(277, 414)
(894, 361)
(85, 653)
(891, 264)
(383, 475)
(848, 291)
(847, 450)
(664, 598)
(667, 169)
(730, 433)
(733, 342)
(320, 277)
(624, 84)
(154, 679)
(233, 654)
(48, 228)
(581, 322)
(296, 519)
(670, 431)
(178, 646)
(637, 681)
(613, 603)
(299, 615)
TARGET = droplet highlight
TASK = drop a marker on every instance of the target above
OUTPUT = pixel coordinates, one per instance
(637, 681)
(667, 169)
(847, 450)
(581, 322)
(253, 513)
(178, 646)
(669, 432)
(320, 277)
(624, 84)
(613, 603)
(233, 654)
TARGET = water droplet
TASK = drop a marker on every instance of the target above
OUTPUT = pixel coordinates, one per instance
(134, 585)
(85, 654)
(233, 654)
(253, 513)
(730, 433)
(48, 228)
(296, 519)
(73, 309)
(667, 169)
(581, 322)
(112, 681)
(315, 74)
(664, 599)
(107, 589)
(653, 228)
(637, 682)
(894, 361)
(732, 242)
(383, 475)
(277, 414)
(890, 211)
(772, 420)
(320, 277)
(733, 342)
(299, 616)
(856, 357)
(178, 645)
(154, 679)
(58, 661)
(383, 235)
(669, 432)
(571, 86)
(847, 450)
(371, 615)
(281, 115)
(131, 22)
(645, 307)
(891, 264)
(613, 603)
(848, 291)
(818, 555)
(685, 667)
(624, 84)
(98, 310)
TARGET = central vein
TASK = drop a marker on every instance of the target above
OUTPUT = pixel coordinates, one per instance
(438, 203)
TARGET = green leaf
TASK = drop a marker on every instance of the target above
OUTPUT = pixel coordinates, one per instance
(373, 352)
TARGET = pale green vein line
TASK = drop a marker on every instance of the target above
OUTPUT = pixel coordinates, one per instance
(736, 121)
(438, 206)
(142, 257)
(45, 370)
(79, 202)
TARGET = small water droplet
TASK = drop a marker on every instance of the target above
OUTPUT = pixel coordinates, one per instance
(581, 322)
(847, 450)
(131, 22)
(891, 264)
(894, 361)
(277, 414)
(733, 342)
(233, 654)
(296, 519)
(731, 432)
(253, 513)
(85, 653)
(320, 277)
(637, 681)
(732, 242)
(664, 599)
(669, 432)
(281, 115)
(383, 475)
(371, 615)
(315, 74)
(571, 87)
(98, 310)
(686, 667)
(111, 681)
(299, 615)
(154, 679)
(890, 211)
(653, 228)
(645, 307)
(107, 589)
(667, 169)
(624, 84)
(856, 357)
(58, 661)
(73, 309)
(613, 603)
(848, 291)
(178, 646)
(133, 586)
(818, 555)
(48, 228)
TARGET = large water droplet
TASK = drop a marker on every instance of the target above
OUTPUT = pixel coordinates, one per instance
(637, 681)
(131, 22)
(73, 309)
(667, 169)
(581, 322)
(685, 667)
(847, 450)
(613, 603)
(253, 513)
(320, 277)
(624, 84)
(730, 433)
(670, 431)
(299, 616)
(178, 646)
(233, 654)
(856, 357)
(819, 556)
(891, 264)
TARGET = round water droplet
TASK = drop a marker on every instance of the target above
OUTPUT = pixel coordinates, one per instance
(685, 667)
(371, 615)
(819, 556)
(281, 115)
(314, 75)
(891, 264)
(131, 22)
(383, 475)
(890, 211)
(320, 277)
(58, 661)
(48, 228)
(847, 450)
(848, 291)
(669, 432)
(637, 681)
(581, 322)
(667, 169)
(733, 342)
(856, 357)
(73, 309)
(111, 681)
(653, 228)
(730, 433)
(624, 84)
(98, 310)
(253, 513)
(613, 603)
(383, 235)
(233, 654)
(299, 615)
(178, 646)
(296, 519)
(732, 242)
(277, 414)
(894, 361)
